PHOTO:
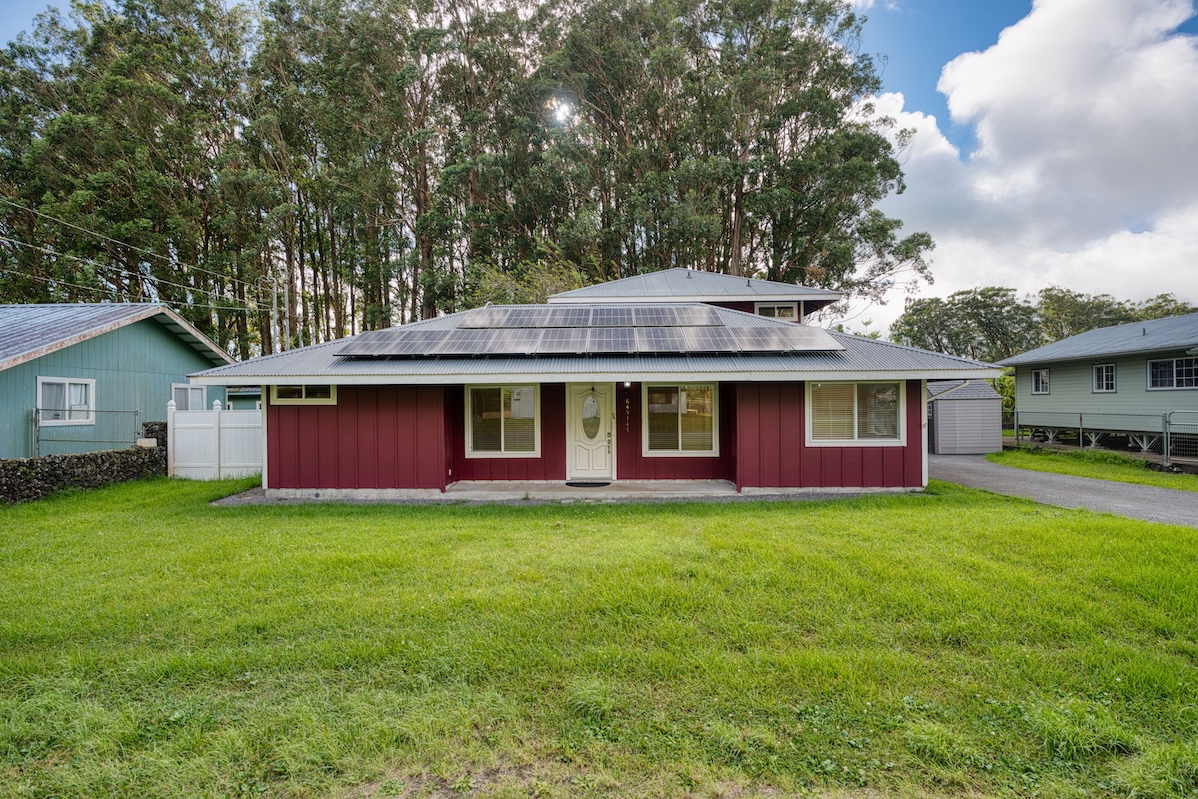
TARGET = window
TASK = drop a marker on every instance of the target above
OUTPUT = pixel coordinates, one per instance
(1173, 373)
(188, 397)
(503, 421)
(63, 401)
(1039, 381)
(680, 420)
(779, 310)
(865, 413)
(303, 395)
(1104, 378)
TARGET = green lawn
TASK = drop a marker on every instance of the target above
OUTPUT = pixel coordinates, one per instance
(948, 644)
(1100, 464)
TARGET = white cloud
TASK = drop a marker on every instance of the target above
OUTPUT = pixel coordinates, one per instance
(1085, 174)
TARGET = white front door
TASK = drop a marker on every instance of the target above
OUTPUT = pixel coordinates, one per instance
(589, 427)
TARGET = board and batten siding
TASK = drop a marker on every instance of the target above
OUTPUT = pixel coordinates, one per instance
(772, 453)
(1071, 389)
(133, 366)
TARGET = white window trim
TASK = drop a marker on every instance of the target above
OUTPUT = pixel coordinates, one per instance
(714, 452)
(91, 402)
(757, 306)
(1095, 388)
(1047, 379)
(1174, 387)
(536, 439)
(901, 441)
(189, 386)
(329, 400)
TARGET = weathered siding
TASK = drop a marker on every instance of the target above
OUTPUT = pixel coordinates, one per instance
(967, 426)
(133, 366)
(1071, 389)
(772, 453)
(374, 437)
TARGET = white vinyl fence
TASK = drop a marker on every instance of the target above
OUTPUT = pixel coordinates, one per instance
(209, 445)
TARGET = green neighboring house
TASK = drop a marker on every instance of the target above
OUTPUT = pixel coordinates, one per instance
(84, 377)
(1122, 380)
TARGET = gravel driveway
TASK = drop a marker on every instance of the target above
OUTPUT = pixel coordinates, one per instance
(1134, 501)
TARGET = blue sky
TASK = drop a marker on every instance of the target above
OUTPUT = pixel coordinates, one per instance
(1054, 140)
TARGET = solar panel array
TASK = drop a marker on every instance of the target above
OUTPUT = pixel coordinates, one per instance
(636, 316)
(600, 340)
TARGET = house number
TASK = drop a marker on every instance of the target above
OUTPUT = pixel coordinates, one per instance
(627, 414)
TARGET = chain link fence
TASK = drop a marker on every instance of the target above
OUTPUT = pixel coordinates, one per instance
(69, 432)
(1173, 435)
(1181, 437)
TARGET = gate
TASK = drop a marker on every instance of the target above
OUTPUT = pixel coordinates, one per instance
(209, 445)
(1181, 436)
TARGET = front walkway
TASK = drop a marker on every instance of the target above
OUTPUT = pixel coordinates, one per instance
(1105, 496)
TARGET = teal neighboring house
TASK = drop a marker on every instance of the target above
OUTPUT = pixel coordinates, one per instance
(85, 377)
(1128, 380)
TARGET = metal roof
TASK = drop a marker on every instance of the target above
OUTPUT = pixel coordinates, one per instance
(31, 331)
(962, 390)
(591, 329)
(692, 285)
(860, 359)
(1157, 335)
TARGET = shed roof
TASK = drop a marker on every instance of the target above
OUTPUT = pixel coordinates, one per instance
(31, 331)
(962, 390)
(692, 285)
(1157, 335)
(849, 357)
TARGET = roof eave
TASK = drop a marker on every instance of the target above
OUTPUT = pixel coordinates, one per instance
(633, 375)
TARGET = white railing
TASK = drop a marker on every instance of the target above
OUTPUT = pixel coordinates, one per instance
(209, 445)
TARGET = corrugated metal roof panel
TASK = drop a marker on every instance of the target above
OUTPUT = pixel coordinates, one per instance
(29, 331)
(691, 284)
(861, 357)
(962, 390)
(1158, 335)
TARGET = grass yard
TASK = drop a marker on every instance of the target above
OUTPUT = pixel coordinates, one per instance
(951, 644)
(1100, 464)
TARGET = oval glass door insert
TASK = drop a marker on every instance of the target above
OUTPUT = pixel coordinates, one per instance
(590, 417)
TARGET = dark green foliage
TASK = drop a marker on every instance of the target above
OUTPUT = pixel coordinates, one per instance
(374, 162)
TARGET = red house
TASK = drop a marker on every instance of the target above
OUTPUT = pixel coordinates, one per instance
(634, 380)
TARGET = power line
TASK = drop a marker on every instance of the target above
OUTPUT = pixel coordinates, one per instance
(98, 290)
(98, 265)
(170, 261)
(53, 252)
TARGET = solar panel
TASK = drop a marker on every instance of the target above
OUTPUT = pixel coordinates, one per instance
(611, 339)
(660, 339)
(563, 340)
(466, 342)
(484, 317)
(611, 317)
(525, 317)
(710, 339)
(515, 341)
(655, 316)
(568, 317)
(697, 316)
(762, 339)
(811, 339)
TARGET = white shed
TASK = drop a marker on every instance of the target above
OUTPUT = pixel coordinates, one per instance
(964, 417)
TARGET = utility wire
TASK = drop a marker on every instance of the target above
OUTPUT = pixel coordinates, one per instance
(124, 272)
(97, 290)
(170, 261)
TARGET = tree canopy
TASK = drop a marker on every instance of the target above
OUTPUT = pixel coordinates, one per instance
(992, 323)
(378, 161)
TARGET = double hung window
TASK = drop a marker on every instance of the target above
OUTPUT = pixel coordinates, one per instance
(1104, 378)
(188, 397)
(1039, 381)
